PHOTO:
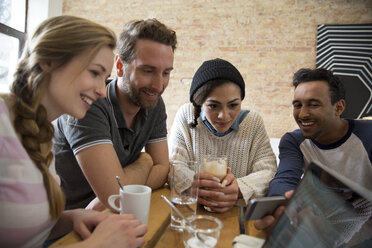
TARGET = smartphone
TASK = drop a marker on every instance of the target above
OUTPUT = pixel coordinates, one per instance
(260, 207)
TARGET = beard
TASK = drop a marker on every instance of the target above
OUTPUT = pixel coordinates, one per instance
(312, 136)
(134, 94)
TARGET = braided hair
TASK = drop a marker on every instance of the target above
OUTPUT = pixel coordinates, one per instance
(56, 40)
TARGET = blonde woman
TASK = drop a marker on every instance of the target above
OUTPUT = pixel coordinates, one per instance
(62, 71)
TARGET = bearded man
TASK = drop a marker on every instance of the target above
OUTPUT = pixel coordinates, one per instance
(109, 141)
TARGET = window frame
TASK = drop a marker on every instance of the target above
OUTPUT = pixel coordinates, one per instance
(15, 33)
(21, 36)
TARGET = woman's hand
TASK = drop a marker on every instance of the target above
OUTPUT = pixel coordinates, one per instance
(81, 220)
(85, 221)
(118, 231)
(220, 197)
(108, 230)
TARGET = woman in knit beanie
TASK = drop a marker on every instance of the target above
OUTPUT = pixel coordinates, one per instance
(214, 124)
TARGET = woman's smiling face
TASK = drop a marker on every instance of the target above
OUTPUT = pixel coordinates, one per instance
(222, 106)
(73, 88)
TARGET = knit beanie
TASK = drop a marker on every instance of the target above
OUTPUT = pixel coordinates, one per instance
(216, 69)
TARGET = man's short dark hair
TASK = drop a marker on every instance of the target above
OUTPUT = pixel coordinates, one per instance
(148, 29)
(336, 88)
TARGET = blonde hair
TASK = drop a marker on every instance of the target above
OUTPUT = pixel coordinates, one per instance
(56, 40)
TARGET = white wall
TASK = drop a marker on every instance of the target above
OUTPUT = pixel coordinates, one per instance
(274, 142)
(39, 10)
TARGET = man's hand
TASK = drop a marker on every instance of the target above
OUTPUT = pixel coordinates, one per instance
(144, 160)
(96, 204)
(160, 168)
(100, 165)
(268, 221)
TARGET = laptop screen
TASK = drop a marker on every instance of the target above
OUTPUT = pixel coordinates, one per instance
(325, 211)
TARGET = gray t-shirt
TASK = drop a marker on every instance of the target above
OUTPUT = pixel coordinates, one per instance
(104, 123)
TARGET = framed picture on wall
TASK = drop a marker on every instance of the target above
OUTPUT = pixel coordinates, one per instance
(347, 51)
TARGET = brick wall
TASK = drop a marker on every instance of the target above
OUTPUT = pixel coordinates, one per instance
(266, 40)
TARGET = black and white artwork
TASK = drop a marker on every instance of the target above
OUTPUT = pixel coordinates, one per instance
(347, 51)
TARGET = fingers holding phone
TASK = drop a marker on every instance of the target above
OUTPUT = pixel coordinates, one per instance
(258, 208)
(275, 208)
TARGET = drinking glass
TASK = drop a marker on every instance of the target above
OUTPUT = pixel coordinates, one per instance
(184, 190)
(201, 231)
(216, 166)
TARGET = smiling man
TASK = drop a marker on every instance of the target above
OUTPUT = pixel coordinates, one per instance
(324, 137)
(108, 142)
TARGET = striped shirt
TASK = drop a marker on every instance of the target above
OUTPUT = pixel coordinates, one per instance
(24, 208)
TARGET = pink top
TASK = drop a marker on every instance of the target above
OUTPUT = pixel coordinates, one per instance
(24, 208)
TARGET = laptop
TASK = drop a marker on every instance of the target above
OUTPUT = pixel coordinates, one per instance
(326, 210)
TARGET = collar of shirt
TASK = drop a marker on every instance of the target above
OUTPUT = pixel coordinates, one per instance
(114, 103)
(340, 141)
(234, 126)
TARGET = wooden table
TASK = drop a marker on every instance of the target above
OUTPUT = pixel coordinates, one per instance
(160, 235)
(159, 220)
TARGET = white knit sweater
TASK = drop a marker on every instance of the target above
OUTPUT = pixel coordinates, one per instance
(248, 150)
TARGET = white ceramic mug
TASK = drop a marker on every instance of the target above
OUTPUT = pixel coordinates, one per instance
(134, 199)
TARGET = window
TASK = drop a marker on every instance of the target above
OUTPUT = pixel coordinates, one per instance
(13, 16)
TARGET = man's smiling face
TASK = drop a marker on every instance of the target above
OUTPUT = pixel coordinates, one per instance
(313, 110)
